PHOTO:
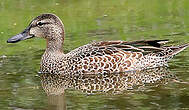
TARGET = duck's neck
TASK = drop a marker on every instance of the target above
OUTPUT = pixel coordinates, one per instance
(54, 46)
(55, 40)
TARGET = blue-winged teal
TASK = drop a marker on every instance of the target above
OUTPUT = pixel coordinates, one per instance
(97, 57)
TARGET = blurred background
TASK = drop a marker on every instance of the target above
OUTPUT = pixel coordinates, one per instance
(86, 21)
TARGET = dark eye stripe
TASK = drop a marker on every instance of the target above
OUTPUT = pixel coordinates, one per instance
(40, 23)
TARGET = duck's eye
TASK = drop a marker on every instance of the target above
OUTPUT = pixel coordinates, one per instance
(40, 23)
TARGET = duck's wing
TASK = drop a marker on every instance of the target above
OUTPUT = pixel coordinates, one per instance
(111, 47)
(135, 46)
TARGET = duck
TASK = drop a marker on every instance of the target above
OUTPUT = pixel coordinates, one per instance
(97, 57)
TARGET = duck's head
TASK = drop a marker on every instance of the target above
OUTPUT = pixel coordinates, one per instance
(47, 26)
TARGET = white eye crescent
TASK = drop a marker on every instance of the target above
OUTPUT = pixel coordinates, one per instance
(40, 23)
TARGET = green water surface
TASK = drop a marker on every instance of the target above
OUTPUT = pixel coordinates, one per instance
(86, 21)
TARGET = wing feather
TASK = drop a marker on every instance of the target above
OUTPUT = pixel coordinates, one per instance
(110, 47)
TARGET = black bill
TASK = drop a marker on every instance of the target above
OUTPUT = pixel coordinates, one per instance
(22, 36)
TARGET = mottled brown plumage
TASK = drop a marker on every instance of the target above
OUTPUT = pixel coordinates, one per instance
(97, 57)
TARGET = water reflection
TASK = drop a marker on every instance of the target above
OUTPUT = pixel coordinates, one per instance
(55, 85)
(108, 83)
(56, 102)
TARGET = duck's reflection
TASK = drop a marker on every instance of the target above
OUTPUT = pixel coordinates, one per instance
(108, 83)
(55, 85)
(56, 102)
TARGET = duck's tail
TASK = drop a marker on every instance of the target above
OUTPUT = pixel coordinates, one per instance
(162, 57)
(173, 50)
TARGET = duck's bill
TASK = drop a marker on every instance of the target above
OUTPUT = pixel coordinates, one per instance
(19, 37)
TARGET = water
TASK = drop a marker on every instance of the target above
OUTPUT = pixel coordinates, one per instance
(85, 21)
